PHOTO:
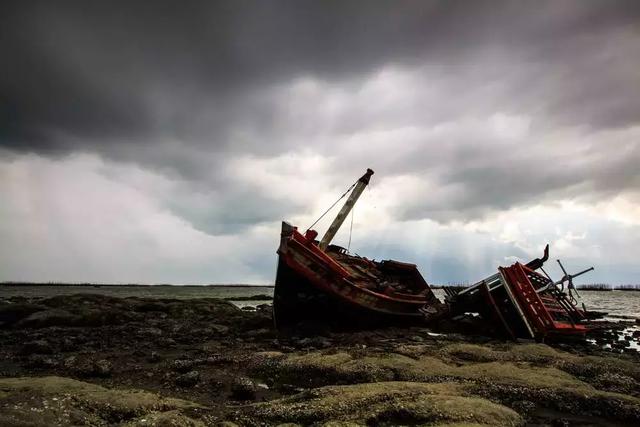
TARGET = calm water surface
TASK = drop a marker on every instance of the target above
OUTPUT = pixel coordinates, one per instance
(617, 303)
(124, 291)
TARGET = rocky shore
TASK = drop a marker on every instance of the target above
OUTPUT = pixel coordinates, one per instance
(99, 360)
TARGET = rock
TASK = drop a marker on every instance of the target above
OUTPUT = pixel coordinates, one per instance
(303, 342)
(150, 332)
(216, 359)
(70, 362)
(243, 388)
(216, 329)
(321, 342)
(215, 385)
(45, 318)
(524, 406)
(37, 347)
(262, 332)
(154, 357)
(417, 338)
(102, 368)
(620, 344)
(389, 403)
(12, 313)
(139, 352)
(68, 345)
(41, 361)
(289, 389)
(189, 379)
(167, 342)
(64, 401)
(183, 365)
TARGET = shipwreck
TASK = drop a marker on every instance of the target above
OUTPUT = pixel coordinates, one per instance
(318, 283)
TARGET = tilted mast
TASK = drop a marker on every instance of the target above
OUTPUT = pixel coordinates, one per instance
(344, 212)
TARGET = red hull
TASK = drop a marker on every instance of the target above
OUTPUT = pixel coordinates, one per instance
(356, 281)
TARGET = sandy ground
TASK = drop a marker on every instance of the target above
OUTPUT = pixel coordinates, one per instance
(99, 360)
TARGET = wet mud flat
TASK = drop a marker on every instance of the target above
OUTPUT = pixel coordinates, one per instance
(102, 360)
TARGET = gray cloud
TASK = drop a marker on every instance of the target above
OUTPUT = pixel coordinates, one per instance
(475, 107)
(117, 73)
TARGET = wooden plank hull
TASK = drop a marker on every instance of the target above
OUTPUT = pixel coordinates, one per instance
(312, 287)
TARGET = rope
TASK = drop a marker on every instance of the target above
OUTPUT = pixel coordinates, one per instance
(350, 229)
(334, 203)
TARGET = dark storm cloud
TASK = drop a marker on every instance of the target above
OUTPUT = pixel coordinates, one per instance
(180, 87)
(177, 133)
(127, 72)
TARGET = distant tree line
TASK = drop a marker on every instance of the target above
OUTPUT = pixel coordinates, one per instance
(608, 287)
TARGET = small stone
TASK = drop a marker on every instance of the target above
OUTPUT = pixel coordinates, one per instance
(215, 385)
(216, 329)
(150, 332)
(41, 361)
(303, 342)
(167, 342)
(289, 389)
(189, 379)
(70, 362)
(68, 345)
(46, 318)
(417, 338)
(154, 357)
(321, 342)
(262, 332)
(37, 347)
(243, 388)
(182, 365)
(102, 368)
(216, 359)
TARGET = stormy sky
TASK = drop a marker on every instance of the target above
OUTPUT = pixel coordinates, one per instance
(164, 141)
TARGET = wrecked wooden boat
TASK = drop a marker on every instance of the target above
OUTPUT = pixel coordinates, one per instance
(523, 303)
(321, 284)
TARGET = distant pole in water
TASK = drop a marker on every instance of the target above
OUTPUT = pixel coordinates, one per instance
(344, 212)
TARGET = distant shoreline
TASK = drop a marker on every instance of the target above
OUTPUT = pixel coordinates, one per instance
(591, 288)
(131, 285)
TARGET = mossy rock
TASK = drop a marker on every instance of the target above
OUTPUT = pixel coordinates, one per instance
(342, 368)
(44, 401)
(472, 353)
(168, 419)
(502, 381)
(384, 403)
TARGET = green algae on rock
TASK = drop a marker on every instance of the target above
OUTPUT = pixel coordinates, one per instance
(44, 401)
(385, 403)
(510, 376)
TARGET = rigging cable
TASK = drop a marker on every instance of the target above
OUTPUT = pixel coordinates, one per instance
(334, 203)
(350, 229)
